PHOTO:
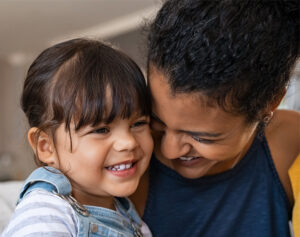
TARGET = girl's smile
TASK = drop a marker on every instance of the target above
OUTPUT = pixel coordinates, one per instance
(106, 160)
(88, 108)
(123, 170)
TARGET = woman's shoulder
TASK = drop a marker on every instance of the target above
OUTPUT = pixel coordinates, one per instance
(283, 116)
(283, 136)
(283, 132)
(42, 212)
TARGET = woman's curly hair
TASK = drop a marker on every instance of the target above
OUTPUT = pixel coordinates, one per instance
(238, 53)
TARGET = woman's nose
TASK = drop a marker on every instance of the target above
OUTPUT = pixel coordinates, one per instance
(125, 141)
(172, 145)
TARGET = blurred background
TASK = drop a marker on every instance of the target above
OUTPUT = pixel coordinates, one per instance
(29, 26)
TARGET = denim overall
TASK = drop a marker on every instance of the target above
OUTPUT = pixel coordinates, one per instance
(92, 220)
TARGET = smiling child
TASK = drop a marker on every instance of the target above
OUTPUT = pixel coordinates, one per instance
(88, 111)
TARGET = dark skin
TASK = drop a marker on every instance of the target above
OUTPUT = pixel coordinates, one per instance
(172, 138)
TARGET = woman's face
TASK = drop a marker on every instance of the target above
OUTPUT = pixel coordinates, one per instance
(191, 137)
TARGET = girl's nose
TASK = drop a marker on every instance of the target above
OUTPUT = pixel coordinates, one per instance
(172, 145)
(125, 142)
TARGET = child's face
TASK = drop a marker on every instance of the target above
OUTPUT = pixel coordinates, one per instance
(106, 160)
(193, 138)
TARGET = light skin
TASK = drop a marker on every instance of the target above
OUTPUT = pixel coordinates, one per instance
(196, 139)
(94, 165)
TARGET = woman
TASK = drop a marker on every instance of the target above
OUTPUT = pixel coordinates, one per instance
(217, 71)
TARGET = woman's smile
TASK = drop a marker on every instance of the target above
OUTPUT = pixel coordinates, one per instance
(193, 137)
(189, 161)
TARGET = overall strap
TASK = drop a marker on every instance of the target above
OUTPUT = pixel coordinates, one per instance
(127, 209)
(46, 178)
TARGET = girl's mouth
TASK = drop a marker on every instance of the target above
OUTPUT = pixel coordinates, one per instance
(120, 167)
(123, 170)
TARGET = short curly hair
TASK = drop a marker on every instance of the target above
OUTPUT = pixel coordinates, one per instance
(238, 53)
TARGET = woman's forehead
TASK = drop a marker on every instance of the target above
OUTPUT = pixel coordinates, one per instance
(186, 110)
(161, 90)
(160, 84)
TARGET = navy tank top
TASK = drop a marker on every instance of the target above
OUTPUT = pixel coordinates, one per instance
(248, 200)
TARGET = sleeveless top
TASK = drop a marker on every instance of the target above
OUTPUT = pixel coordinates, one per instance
(248, 200)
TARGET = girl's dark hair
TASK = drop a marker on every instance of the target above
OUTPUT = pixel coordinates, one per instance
(82, 81)
(239, 53)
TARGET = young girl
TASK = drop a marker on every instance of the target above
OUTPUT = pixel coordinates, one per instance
(88, 110)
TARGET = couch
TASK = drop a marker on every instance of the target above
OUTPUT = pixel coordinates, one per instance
(9, 192)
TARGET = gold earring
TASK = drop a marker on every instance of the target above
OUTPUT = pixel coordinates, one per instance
(268, 117)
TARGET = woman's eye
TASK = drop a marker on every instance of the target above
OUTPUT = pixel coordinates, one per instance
(103, 130)
(202, 140)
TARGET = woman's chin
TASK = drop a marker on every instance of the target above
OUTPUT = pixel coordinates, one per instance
(193, 169)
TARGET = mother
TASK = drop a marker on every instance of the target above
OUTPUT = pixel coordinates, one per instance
(217, 72)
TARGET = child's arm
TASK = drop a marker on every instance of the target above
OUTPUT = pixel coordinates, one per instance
(42, 212)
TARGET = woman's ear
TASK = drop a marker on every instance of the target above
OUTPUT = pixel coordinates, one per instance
(267, 114)
(42, 145)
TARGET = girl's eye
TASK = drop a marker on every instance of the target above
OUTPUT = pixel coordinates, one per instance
(202, 140)
(139, 123)
(102, 130)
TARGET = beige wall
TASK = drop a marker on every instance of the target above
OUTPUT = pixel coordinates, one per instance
(15, 156)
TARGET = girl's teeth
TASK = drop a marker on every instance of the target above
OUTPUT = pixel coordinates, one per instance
(187, 158)
(120, 167)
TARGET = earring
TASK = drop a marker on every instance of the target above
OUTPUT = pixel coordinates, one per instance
(268, 117)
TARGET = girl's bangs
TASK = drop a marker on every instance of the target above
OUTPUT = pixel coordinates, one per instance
(103, 90)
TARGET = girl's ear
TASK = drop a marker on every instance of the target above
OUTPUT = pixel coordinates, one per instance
(42, 146)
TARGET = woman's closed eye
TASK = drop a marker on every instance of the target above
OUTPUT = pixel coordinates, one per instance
(203, 140)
